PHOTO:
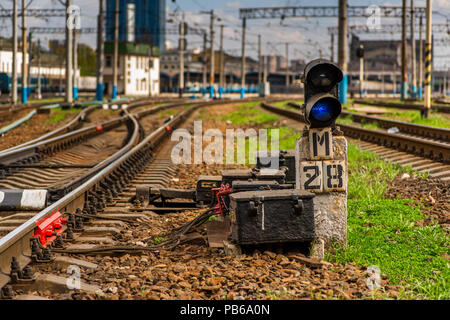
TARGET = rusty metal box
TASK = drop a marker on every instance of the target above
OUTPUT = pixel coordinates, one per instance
(272, 216)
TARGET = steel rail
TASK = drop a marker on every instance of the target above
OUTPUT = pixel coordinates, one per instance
(35, 146)
(430, 149)
(442, 134)
(58, 192)
(408, 106)
(17, 243)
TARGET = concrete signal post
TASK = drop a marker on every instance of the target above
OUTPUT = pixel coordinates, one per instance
(321, 153)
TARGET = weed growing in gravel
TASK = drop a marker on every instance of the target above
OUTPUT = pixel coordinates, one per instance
(158, 240)
(167, 113)
(59, 114)
(383, 232)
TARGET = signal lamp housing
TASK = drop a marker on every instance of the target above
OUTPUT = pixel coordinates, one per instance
(322, 106)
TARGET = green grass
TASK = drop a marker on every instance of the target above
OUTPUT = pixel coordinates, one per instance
(49, 100)
(435, 119)
(158, 240)
(383, 232)
(249, 113)
(167, 113)
(284, 104)
(58, 114)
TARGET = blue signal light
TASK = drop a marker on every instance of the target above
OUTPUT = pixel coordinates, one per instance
(322, 111)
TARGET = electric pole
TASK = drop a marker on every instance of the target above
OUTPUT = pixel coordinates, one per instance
(30, 52)
(404, 88)
(413, 53)
(243, 60)
(15, 54)
(39, 91)
(24, 54)
(343, 49)
(394, 81)
(420, 58)
(428, 62)
(287, 68)
(266, 70)
(361, 70)
(222, 62)
(116, 49)
(181, 48)
(332, 47)
(75, 64)
(69, 52)
(100, 52)
(259, 60)
(204, 64)
(211, 53)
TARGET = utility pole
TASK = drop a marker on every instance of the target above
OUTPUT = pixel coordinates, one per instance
(116, 49)
(222, 63)
(332, 47)
(100, 52)
(404, 88)
(30, 51)
(24, 54)
(413, 53)
(181, 48)
(287, 68)
(69, 53)
(259, 60)
(420, 58)
(343, 49)
(15, 54)
(361, 71)
(266, 70)
(39, 90)
(428, 61)
(75, 64)
(243, 59)
(211, 53)
(394, 81)
(204, 64)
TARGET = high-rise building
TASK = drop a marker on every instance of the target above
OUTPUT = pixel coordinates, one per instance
(140, 21)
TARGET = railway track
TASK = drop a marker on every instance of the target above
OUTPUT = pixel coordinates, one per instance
(426, 149)
(100, 181)
(438, 107)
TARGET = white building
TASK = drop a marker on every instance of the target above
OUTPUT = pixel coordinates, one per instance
(52, 70)
(138, 70)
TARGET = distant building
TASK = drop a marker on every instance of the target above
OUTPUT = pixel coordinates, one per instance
(193, 68)
(381, 57)
(274, 63)
(138, 70)
(140, 21)
(297, 65)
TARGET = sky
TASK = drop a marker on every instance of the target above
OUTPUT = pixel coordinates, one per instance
(306, 36)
